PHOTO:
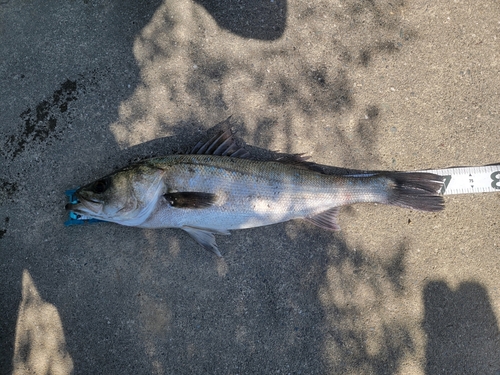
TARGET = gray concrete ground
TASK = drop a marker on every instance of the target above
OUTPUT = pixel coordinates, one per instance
(87, 86)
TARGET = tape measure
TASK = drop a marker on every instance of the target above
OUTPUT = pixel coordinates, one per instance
(466, 180)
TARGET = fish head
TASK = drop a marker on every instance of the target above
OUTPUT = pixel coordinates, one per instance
(125, 197)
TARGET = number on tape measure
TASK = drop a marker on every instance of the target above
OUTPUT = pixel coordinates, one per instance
(495, 177)
(468, 180)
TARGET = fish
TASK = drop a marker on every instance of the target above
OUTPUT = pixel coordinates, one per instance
(217, 187)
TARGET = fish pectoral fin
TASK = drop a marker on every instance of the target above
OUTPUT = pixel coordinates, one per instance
(326, 219)
(205, 237)
(190, 199)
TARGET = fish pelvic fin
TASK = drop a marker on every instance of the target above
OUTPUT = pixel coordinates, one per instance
(205, 237)
(415, 190)
(326, 219)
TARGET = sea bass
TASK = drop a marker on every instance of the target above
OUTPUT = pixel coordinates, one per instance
(217, 188)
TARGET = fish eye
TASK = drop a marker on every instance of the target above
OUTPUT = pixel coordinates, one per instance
(100, 186)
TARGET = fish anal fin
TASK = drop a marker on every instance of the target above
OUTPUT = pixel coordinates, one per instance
(326, 219)
(205, 237)
(190, 199)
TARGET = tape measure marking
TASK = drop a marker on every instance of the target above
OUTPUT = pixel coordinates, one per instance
(467, 180)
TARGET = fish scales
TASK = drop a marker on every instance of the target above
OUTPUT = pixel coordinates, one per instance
(257, 192)
(216, 188)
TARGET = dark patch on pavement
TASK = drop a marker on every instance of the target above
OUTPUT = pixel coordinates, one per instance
(40, 124)
(7, 189)
(3, 231)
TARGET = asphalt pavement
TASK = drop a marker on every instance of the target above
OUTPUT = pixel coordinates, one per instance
(89, 86)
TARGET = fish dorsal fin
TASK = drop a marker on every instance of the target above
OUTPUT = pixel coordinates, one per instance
(205, 237)
(326, 219)
(221, 144)
(190, 199)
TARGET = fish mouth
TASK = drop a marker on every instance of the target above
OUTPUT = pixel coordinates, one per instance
(87, 207)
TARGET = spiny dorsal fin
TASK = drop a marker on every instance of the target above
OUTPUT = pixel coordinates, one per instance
(190, 199)
(221, 144)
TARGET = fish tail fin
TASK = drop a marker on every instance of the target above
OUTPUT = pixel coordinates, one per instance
(415, 190)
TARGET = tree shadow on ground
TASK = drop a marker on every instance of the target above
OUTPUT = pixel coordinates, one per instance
(289, 297)
(462, 330)
(256, 19)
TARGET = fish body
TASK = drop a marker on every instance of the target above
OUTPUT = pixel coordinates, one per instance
(217, 188)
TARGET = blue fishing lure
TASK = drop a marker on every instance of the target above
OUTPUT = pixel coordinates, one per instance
(73, 217)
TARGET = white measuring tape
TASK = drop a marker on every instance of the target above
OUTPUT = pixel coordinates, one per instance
(466, 180)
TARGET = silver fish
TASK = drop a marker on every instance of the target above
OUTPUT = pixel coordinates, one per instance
(217, 188)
